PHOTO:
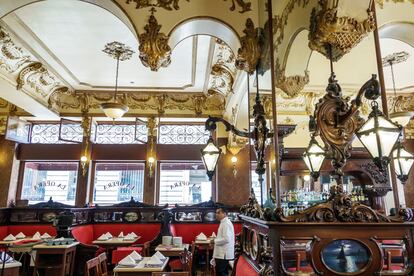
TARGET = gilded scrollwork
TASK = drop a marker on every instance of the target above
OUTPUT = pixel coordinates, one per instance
(38, 78)
(381, 2)
(249, 53)
(12, 57)
(291, 85)
(340, 34)
(170, 5)
(154, 50)
(63, 98)
(280, 21)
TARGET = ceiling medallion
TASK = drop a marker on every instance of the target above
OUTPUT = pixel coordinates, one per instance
(154, 50)
(120, 52)
(249, 53)
(341, 33)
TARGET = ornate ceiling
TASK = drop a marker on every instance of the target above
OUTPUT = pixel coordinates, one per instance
(191, 58)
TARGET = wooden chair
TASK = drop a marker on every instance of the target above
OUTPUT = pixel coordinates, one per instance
(185, 262)
(93, 267)
(103, 264)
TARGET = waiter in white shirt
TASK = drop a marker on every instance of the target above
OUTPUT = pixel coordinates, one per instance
(223, 243)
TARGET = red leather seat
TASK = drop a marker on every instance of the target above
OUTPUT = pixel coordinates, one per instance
(175, 265)
(243, 268)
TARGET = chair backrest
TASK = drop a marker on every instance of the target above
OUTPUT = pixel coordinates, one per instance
(300, 256)
(93, 267)
(186, 258)
(103, 264)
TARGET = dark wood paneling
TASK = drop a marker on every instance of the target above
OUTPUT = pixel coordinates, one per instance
(409, 186)
(119, 152)
(49, 152)
(179, 152)
(7, 188)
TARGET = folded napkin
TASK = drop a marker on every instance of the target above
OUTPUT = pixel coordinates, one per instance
(36, 236)
(109, 235)
(10, 237)
(121, 235)
(45, 236)
(213, 235)
(127, 261)
(159, 255)
(20, 236)
(135, 256)
(154, 261)
(103, 237)
(6, 258)
(133, 235)
(201, 237)
(129, 237)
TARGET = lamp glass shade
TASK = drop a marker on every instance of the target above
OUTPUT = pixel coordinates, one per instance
(403, 161)
(314, 156)
(210, 155)
(379, 136)
(401, 118)
(114, 110)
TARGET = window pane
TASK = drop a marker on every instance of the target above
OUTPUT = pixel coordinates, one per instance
(184, 183)
(183, 134)
(118, 182)
(256, 184)
(120, 134)
(49, 133)
(43, 180)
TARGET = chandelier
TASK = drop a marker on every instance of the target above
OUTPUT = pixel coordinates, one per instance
(337, 122)
(120, 52)
(402, 117)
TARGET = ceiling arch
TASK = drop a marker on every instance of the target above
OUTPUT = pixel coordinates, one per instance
(402, 31)
(9, 6)
(204, 26)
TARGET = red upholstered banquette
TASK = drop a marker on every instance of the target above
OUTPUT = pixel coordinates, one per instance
(28, 230)
(244, 268)
(88, 233)
(189, 231)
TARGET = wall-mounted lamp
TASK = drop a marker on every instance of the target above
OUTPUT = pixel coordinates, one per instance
(151, 161)
(306, 177)
(234, 161)
(84, 163)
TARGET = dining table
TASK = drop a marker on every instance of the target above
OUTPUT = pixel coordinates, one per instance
(141, 268)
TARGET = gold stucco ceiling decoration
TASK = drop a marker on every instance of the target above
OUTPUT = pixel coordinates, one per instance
(170, 5)
(154, 50)
(143, 103)
(222, 74)
(12, 57)
(381, 2)
(249, 53)
(291, 85)
(280, 21)
(341, 33)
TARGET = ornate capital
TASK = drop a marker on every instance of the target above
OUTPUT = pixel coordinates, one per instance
(249, 53)
(154, 50)
(341, 33)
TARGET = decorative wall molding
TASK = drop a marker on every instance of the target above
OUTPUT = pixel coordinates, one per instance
(280, 21)
(12, 57)
(223, 71)
(291, 85)
(249, 53)
(342, 33)
(170, 5)
(154, 50)
(381, 2)
(190, 104)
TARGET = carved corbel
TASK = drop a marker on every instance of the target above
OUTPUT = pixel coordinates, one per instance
(62, 98)
(249, 53)
(38, 78)
(341, 33)
(154, 50)
(291, 85)
(12, 57)
(198, 102)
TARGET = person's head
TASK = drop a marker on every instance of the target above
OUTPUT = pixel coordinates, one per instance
(220, 214)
